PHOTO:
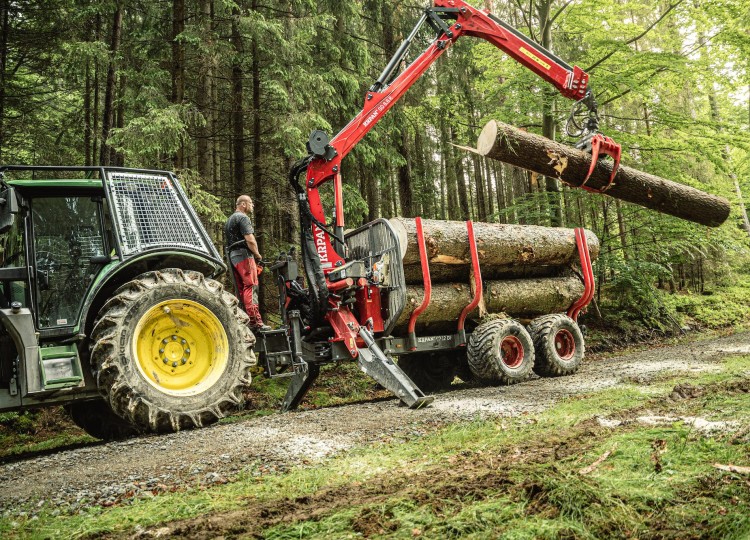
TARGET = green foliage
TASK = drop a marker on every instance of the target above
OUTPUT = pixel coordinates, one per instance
(671, 81)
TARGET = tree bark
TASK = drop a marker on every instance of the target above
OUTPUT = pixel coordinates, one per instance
(498, 244)
(203, 99)
(238, 111)
(5, 24)
(109, 93)
(461, 273)
(178, 66)
(505, 143)
(518, 298)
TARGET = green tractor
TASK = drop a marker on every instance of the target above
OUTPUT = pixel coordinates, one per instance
(108, 303)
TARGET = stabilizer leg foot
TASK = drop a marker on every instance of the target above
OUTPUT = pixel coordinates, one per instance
(299, 385)
(380, 367)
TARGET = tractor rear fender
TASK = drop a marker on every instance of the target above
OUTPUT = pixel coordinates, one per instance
(117, 273)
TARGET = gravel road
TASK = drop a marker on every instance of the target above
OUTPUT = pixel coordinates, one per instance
(113, 473)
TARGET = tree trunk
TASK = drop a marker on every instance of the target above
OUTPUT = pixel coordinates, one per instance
(498, 244)
(87, 129)
(406, 197)
(203, 98)
(551, 185)
(178, 65)
(117, 157)
(463, 198)
(261, 207)
(519, 298)
(506, 143)
(238, 111)
(5, 22)
(109, 93)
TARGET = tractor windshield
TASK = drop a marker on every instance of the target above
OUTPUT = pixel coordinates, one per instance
(67, 234)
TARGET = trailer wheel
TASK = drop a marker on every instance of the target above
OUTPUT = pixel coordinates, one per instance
(501, 352)
(559, 345)
(99, 420)
(431, 372)
(172, 351)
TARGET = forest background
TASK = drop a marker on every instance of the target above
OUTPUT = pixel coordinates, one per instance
(226, 93)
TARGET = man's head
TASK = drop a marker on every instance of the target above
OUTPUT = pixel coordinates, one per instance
(244, 204)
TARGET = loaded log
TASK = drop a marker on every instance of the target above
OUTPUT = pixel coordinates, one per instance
(519, 298)
(509, 249)
(541, 155)
(460, 273)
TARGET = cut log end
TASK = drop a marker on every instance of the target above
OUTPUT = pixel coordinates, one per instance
(487, 138)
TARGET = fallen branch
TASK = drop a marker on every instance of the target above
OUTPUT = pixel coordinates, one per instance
(590, 468)
(732, 468)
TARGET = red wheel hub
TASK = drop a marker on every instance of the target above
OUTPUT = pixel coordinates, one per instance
(565, 344)
(511, 351)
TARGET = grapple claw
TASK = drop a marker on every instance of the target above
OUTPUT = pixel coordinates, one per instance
(600, 145)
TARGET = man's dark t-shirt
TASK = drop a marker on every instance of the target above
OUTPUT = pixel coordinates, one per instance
(237, 226)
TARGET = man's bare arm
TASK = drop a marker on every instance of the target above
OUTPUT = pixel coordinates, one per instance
(252, 245)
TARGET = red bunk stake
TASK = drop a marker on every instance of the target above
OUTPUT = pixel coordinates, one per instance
(477, 284)
(588, 275)
(412, 344)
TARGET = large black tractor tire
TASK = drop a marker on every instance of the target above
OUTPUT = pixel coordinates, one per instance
(99, 420)
(172, 351)
(431, 372)
(500, 352)
(558, 344)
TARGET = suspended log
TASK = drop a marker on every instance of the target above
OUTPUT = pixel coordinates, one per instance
(519, 298)
(498, 244)
(541, 155)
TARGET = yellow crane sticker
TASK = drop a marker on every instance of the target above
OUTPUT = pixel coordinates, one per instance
(534, 57)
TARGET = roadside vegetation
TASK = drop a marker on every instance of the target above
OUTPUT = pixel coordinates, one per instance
(669, 459)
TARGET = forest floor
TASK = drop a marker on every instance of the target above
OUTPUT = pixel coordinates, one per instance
(649, 443)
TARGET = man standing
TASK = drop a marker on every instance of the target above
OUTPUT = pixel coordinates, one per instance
(243, 255)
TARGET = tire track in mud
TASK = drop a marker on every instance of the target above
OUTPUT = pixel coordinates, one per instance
(106, 474)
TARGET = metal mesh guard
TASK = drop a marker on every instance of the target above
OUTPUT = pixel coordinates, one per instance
(376, 242)
(150, 213)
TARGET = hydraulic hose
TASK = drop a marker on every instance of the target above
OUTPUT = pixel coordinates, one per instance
(318, 290)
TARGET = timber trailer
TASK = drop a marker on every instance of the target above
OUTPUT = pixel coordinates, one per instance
(355, 281)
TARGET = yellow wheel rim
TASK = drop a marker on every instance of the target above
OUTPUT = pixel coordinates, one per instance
(180, 347)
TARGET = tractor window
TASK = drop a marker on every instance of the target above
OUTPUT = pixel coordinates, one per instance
(11, 246)
(67, 234)
(12, 255)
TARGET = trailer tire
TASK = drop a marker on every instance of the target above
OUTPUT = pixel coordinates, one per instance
(431, 372)
(99, 420)
(171, 351)
(501, 352)
(558, 345)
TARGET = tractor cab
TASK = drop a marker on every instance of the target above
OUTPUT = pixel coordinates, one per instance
(53, 251)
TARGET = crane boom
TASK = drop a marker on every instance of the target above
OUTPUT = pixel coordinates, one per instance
(323, 248)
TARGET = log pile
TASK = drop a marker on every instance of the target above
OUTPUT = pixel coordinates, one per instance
(526, 270)
(546, 157)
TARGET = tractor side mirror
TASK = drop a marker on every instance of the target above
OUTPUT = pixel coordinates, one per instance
(8, 208)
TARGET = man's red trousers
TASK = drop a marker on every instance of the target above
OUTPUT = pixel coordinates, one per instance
(246, 278)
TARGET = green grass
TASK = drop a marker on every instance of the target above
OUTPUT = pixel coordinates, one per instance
(536, 494)
(36, 431)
